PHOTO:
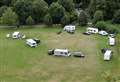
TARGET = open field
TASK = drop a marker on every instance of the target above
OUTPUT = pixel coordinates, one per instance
(20, 63)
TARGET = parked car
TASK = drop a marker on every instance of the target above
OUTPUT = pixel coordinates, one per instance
(112, 35)
(36, 40)
(104, 33)
(87, 33)
(104, 50)
(78, 54)
(51, 52)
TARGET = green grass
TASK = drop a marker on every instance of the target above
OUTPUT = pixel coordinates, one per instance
(20, 63)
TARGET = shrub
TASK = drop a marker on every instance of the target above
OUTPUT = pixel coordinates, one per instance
(101, 25)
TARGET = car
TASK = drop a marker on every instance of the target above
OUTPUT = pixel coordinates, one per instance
(78, 54)
(87, 33)
(112, 35)
(104, 33)
(36, 40)
(51, 52)
(104, 50)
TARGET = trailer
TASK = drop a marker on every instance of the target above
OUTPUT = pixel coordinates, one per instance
(92, 30)
(111, 41)
(69, 28)
(107, 55)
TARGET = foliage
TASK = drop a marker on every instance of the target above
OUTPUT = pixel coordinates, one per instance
(9, 17)
(67, 4)
(101, 25)
(66, 19)
(40, 8)
(2, 10)
(116, 18)
(56, 11)
(98, 16)
(83, 20)
(29, 21)
(48, 20)
(23, 8)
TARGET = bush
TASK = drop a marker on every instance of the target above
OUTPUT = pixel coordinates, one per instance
(101, 25)
(98, 16)
(112, 29)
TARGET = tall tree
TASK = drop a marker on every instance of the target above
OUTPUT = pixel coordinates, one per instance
(67, 4)
(57, 12)
(24, 9)
(29, 21)
(48, 20)
(9, 17)
(40, 8)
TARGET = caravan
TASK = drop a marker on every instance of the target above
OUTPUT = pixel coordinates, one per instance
(111, 41)
(16, 35)
(92, 30)
(59, 52)
(69, 28)
(107, 55)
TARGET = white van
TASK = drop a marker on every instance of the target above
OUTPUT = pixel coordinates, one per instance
(16, 35)
(31, 43)
(69, 28)
(92, 30)
(107, 55)
(61, 52)
(111, 41)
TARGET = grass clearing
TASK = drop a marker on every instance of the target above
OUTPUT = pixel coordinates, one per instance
(20, 63)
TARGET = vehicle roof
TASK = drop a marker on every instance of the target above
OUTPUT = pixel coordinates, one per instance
(31, 40)
(108, 52)
(61, 50)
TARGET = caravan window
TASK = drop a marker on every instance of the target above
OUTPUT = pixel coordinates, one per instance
(61, 52)
(66, 53)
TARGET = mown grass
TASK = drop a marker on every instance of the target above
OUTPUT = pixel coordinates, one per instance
(20, 63)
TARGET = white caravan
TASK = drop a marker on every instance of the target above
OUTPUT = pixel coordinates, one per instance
(61, 52)
(31, 43)
(69, 28)
(92, 30)
(107, 55)
(111, 41)
(16, 35)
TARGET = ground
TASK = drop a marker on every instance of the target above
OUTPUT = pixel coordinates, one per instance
(20, 63)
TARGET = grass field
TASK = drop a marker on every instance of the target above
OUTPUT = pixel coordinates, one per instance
(20, 63)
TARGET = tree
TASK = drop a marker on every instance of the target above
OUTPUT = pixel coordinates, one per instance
(56, 12)
(9, 17)
(23, 8)
(48, 20)
(98, 16)
(2, 10)
(66, 19)
(40, 8)
(83, 19)
(116, 18)
(67, 4)
(29, 21)
(5, 2)
(101, 25)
